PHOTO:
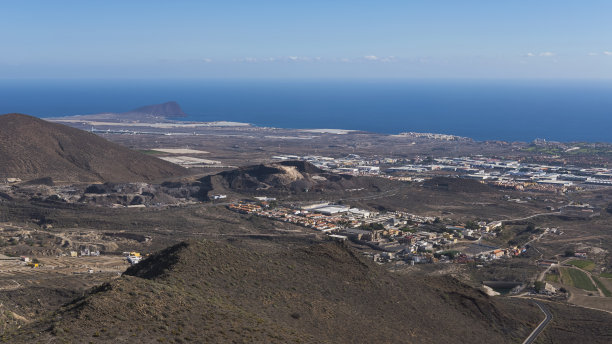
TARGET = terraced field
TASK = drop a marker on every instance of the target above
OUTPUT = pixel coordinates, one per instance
(602, 287)
(587, 265)
(576, 278)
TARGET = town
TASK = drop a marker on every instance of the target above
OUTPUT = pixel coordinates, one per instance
(510, 174)
(397, 236)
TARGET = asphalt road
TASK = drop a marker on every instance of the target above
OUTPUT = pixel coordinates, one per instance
(541, 326)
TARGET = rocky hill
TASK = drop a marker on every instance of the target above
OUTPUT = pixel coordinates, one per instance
(31, 148)
(289, 178)
(291, 292)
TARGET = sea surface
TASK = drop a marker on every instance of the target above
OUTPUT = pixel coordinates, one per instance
(510, 110)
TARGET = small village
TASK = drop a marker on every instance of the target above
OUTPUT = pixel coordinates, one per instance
(397, 237)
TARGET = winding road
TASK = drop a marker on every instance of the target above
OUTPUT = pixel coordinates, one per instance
(541, 326)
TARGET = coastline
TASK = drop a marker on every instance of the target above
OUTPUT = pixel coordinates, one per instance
(159, 125)
(520, 110)
(112, 122)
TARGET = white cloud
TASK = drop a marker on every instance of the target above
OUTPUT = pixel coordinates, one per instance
(246, 59)
(280, 59)
(592, 54)
(607, 53)
(207, 60)
(299, 58)
(380, 58)
(542, 54)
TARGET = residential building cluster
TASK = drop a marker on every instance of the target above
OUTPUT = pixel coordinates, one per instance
(393, 236)
(433, 136)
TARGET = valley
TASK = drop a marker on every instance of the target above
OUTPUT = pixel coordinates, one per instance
(295, 219)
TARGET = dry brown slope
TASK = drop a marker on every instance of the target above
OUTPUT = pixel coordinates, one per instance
(32, 148)
(258, 291)
(298, 179)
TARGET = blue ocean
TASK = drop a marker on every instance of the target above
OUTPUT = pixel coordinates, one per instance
(510, 110)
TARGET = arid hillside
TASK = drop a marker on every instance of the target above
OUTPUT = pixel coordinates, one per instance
(291, 179)
(31, 148)
(296, 291)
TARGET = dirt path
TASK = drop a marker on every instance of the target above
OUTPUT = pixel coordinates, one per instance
(543, 273)
(576, 239)
(532, 216)
(592, 281)
(588, 273)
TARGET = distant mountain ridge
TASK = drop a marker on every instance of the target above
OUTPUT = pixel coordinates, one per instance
(31, 148)
(148, 113)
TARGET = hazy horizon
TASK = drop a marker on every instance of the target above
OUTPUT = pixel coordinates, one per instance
(278, 39)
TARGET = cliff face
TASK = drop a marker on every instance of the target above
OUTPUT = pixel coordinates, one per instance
(31, 148)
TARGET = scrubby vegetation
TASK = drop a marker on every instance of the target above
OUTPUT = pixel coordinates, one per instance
(552, 278)
(290, 292)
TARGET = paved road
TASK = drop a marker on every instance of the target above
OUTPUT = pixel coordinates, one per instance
(541, 326)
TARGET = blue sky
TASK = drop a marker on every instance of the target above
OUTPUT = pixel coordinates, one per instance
(306, 39)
